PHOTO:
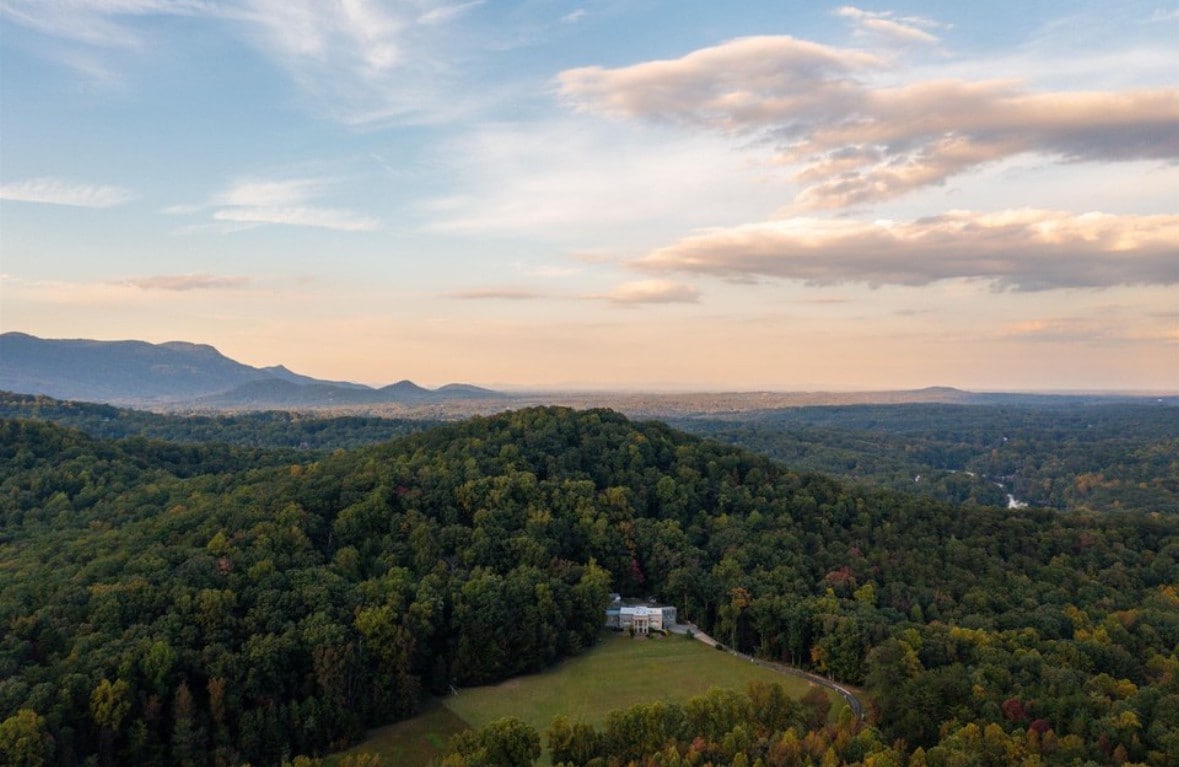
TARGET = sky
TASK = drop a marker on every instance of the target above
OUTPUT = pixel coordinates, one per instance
(609, 194)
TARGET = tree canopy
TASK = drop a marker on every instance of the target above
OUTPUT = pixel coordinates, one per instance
(207, 604)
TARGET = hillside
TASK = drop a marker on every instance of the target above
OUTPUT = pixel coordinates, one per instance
(1068, 454)
(266, 429)
(198, 605)
(1097, 457)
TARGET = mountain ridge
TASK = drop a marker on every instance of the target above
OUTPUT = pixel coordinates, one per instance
(181, 372)
(191, 377)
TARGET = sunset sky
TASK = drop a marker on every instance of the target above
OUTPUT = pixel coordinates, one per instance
(618, 194)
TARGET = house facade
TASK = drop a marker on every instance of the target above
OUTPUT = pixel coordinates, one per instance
(642, 617)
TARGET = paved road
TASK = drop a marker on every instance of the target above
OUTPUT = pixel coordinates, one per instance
(852, 701)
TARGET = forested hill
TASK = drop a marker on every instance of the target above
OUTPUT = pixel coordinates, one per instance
(266, 429)
(1109, 456)
(158, 613)
(1064, 453)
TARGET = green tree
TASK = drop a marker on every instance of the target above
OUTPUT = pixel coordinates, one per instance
(506, 742)
(187, 735)
(109, 704)
(24, 739)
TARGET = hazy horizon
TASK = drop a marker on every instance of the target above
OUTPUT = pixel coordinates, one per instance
(603, 196)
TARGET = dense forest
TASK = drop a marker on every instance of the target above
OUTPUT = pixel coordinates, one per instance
(1056, 452)
(1075, 455)
(255, 429)
(213, 604)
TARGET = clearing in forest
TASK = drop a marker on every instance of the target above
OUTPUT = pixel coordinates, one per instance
(617, 673)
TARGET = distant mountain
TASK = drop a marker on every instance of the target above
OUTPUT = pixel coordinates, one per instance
(405, 390)
(276, 393)
(464, 391)
(280, 372)
(179, 373)
(117, 371)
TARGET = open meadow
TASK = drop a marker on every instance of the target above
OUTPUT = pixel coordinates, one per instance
(617, 673)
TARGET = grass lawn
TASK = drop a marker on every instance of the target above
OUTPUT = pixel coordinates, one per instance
(413, 742)
(617, 673)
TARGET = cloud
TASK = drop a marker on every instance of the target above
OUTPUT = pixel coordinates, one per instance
(358, 38)
(446, 13)
(1088, 330)
(360, 61)
(590, 182)
(750, 81)
(270, 201)
(95, 22)
(52, 191)
(504, 294)
(184, 282)
(1022, 249)
(266, 192)
(905, 30)
(820, 300)
(365, 62)
(166, 292)
(1061, 330)
(857, 142)
(651, 292)
(323, 218)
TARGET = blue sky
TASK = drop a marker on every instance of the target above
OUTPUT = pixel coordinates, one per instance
(678, 195)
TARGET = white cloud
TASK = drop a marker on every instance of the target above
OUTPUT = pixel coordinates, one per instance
(186, 282)
(96, 22)
(360, 61)
(446, 13)
(53, 191)
(274, 201)
(1022, 249)
(651, 292)
(593, 182)
(359, 38)
(858, 143)
(897, 29)
(368, 63)
(324, 218)
(746, 82)
(267, 192)
(502, 294)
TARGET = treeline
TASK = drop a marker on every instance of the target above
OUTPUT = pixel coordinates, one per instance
(226, 616)
(761, 728)
(272, 429)
(721, 727)
(1079, 456)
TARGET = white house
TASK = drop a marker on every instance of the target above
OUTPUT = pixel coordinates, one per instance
(642, 617)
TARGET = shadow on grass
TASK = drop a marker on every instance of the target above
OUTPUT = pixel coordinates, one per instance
(414, 742)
